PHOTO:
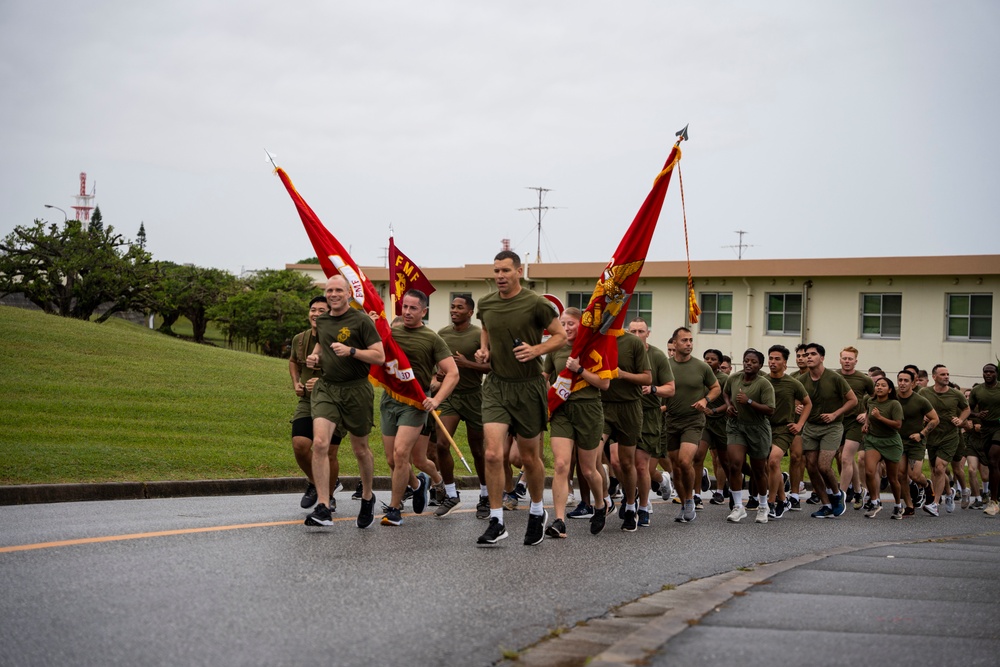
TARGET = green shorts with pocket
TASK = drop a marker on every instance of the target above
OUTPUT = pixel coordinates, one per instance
(351, 405)
(579, 421)
(822, 437)
(468, 407)
(685, 429)
(623, 422)
(890, 447)
(755, 436)
(393, 414)
(520, 404)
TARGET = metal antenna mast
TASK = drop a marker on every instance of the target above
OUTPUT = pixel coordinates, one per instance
(741, 245)
(539, 209)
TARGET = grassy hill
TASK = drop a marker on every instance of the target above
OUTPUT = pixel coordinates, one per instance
(84, 402)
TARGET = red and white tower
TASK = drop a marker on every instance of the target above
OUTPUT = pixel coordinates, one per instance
(84, 202)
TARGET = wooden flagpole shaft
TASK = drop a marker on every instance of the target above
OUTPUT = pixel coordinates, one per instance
(458, 451)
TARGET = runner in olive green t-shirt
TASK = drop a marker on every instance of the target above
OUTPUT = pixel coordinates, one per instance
(466, 402)
(985, 404)
(403, 423)
(863, 387)
(515, 393)
(695, 386)
(942, 443)
(748, 432)
(919, 418)
(882, 443)
(831, 398)
(786, 425)
(348, 343)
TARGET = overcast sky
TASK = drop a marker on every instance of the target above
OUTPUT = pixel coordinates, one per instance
(822, 129)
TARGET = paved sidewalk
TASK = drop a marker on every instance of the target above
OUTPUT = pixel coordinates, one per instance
(893, 603)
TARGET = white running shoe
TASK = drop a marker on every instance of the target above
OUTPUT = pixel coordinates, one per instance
(761, 514)
(739, 513)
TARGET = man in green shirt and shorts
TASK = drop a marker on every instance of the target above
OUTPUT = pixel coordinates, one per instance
(748, 432)
(786, 424)
(515, 392)
(942, 443)
(695, 386)
(403, 423)
(985, 404)
(832, 398)
(348, 343)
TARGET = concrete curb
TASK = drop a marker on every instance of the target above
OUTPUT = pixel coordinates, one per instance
(28, 494)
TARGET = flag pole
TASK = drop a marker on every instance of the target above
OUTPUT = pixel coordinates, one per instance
(447, 435)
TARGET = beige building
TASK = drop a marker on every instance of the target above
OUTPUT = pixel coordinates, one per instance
(895, 310)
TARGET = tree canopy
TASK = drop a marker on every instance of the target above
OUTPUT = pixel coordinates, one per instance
(69, 271)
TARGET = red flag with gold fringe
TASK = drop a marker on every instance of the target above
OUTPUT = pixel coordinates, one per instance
(395, 375)
(405, 275)
(595, 345)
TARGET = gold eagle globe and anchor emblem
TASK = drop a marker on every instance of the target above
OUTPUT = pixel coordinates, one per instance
(609, 295)
(343, 334)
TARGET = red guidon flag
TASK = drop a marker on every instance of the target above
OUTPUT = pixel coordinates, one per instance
(395, 375)
(595, 345)
(404, 275)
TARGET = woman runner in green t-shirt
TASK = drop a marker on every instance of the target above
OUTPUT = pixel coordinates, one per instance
(882, 443)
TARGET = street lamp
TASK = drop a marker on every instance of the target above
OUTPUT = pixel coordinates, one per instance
(65, 217)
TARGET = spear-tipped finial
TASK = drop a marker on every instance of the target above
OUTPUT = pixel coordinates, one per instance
(682, 134)
(270, 158)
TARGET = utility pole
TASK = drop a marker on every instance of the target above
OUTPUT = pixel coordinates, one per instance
(741, 245)
(539, 209)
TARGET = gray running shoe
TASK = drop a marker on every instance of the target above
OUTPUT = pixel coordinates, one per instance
(447, 505)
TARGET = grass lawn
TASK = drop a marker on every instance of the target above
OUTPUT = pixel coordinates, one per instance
(85, 402)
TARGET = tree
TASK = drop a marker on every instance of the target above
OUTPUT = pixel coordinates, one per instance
(269, 308)
(309, 260)
(190, 291)
(140, 238)
(97, 221)
(67, 271)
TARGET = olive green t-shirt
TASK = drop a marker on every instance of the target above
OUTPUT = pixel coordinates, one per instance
(948, 406)
(827, 394)
(524, 316)
(302, 346)
(890, 409)
(424, 349)
(986, 398)
(720, 400)
(465, 343)
(863, 387)
(787, 390)
(662, 374)
(758, 390)
(354, 329)
(915, 407)
(692, 380)
(555, 362)
(632, 358)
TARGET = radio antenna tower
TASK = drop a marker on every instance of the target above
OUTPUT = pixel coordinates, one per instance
(741, 245)
(539, 209)
(84, 202)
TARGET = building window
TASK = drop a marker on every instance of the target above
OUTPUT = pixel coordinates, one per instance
(970, 317)
(578, 300)
(881, 315)
(784, 314)
(640, 305)
(716, 312)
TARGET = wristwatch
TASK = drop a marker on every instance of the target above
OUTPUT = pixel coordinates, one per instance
(578, 371)
(749, 401)
(353, 351)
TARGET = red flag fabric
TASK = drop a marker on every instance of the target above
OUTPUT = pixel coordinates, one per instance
(404, 275)
(395, 375)
(595, 345)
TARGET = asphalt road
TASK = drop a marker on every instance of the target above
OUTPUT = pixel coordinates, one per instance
(421, 593)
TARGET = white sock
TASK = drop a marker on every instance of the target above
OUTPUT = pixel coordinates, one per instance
(762, 499)
(793, 496)
(450, 490)
(497, 514)
(630, 507)
(536, 509)
(607, 501)
(483, 491)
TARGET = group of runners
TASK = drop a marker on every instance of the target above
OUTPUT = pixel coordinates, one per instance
(647, 431)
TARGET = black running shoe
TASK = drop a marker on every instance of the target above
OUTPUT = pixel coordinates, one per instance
(583, 511)
(320, 516)
(483, 508)
(706, 481)
(614, 489)
(358, 492)
(786, 482)
(752, 503)
(654, 486)
(629, 524)
(536, 528)
(779, 509)
(796, 505)
(643, 518)
(420, 495)
(367, 513)
(392, 517)
(520, 490)
(608, 509)
(597, 521)
(495, 532)
(309, 497)
(698, 503)
(717, 499)
(556, 529)
(621, 510)
(813, 499)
